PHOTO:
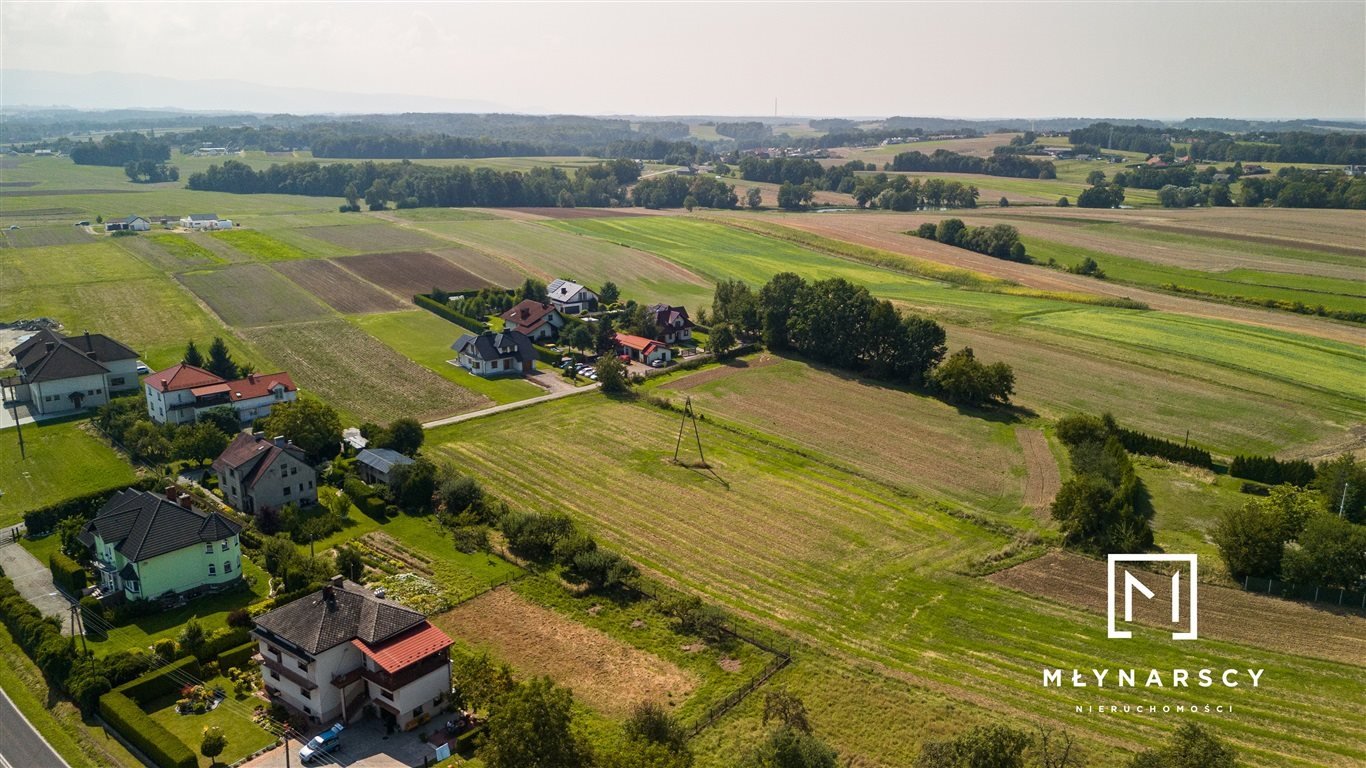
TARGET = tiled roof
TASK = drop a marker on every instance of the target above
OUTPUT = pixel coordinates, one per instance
(70, 356)
(63, 362)
(181, 376)
(408, 648)
(260, 385)
(666, 316)
(382, 459)
(638, 342)
(338, 614)
(529, 315)
(247, 449)
(142, 525)
(489, 345)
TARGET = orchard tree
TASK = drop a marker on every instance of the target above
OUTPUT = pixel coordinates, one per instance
(531, 728)
(311, 424)
(754, 198)
(213, 743)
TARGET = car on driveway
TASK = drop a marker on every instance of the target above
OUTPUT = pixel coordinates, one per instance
(325, 742)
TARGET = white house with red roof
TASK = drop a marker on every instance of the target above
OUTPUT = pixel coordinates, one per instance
(643, 350)
(537, 319)
(332, 652)
(256, 474)
(177, 394)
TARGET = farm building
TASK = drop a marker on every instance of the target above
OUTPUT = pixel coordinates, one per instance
(353, 440)
(328, 653)
(495, 354)
(145, 545)
(205, 221)
(643, 350)
(177, 394)
(255, 474)
(128, 224)
(537, 319)
(376, 465)
(571, 298)
(671, 323)
(68, 373)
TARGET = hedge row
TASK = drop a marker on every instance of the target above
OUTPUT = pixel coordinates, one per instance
(67, 574)
(444, 311)
(46, 518)
(1140, 442)
(158, 744)
(1272, 471)
(237, 657)
(160, 682)
(221, 642)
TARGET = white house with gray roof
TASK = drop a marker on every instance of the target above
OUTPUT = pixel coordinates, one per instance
(571, 298)
(62, 374)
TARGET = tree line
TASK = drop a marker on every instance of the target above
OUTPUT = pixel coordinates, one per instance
(119, 149)
(670, 190)
(903, 193)
(1330, 147)
(842, 325)
(1000, 241)
(1103, 507)
(944, 161)
(795, 170)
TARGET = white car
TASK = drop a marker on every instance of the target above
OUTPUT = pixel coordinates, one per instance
(142, 369)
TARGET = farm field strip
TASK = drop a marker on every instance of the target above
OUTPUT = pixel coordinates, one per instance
(38, 237)
(408, 273)
(864, 574)
(370, 237)
(339, 288)
(259, 245)
(250, 295)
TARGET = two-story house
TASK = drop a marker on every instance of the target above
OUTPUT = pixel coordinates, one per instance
(59, 374)
(177, 394)
(330, 653)
(495, 354)
(672, 324)
(571, 298)
(537, 319)
(147, 545)
(255, 474)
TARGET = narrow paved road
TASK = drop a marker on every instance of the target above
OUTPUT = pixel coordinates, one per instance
(21, 746)
(509, 406)
(33, 579)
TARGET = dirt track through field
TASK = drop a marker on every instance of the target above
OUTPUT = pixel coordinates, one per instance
(603, 672)
(887, 233)
(1042, 478)
(1225, 614)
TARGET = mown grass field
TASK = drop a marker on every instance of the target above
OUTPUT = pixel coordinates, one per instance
(63, 460)
(868, 577)
(250, 295)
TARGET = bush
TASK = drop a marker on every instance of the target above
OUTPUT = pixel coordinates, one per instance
(67, 574)
(159, 745)
(534, 535)
(444, 311)
(1272, 471)
(220, 642)
(238, 657)
(161, 682)
(240, 617)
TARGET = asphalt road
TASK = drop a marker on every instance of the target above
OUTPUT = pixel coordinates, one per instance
(20, 744)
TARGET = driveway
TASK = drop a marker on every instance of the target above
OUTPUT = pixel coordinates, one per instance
(508, 407)
(551, 381)
(33, 580)
(364, 745)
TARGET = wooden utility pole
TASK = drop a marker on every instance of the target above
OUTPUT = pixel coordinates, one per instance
(78, 626)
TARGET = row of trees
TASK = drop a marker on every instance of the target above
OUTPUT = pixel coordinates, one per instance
(1292, 534)
(1328, 147)
(903, 193)
(794, 170)
(1129, 138)
(1103, 507)
(671, 190)
(119, 149)
(1296, 188)
(1000, 241)
(150, 171)
(944, 161)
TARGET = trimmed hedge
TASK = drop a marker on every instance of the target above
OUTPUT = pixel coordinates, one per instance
(150, 737)
(444, 311)
(160, 682)
(222, 642)
(237, 657)
(1140, 442)
(46, 518)
(67, 573)
(1272, 471)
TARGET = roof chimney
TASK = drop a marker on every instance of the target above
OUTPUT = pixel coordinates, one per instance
(251, 377)
(328, 596)
(48, 346)
(185, 501)
(338, 580)
(171, 492)
(280, 440)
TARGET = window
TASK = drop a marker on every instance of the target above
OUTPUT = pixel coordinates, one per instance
(225, 545)
(213, 570)
(293, 471)
(386, 694)
(307, 711)
(310, 483)
(417, 711)
(132, 586)
(227, 566)
(301, 665)
(286, 490)
(208, 548)
(117, 381)
(274, 675)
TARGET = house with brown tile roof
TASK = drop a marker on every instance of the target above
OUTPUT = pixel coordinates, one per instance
(177, 394)
(672, 324)
(537, 319)
(256, 474)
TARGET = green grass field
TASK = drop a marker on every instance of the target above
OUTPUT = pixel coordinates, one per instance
(63, 460)
(426, 339)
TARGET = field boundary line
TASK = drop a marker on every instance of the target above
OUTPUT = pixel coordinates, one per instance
(503, 408)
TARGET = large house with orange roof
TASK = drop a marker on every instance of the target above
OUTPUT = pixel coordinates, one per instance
(331, 653)
(177, 394)
(537, 319)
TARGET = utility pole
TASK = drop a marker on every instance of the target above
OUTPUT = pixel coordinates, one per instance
(1342, 502)
(688, 413)
(78, 626)
(14, 409)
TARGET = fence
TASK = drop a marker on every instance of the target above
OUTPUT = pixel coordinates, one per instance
(720, 708)
(1345, 598)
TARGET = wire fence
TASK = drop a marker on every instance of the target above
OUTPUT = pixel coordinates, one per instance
(1345, 598)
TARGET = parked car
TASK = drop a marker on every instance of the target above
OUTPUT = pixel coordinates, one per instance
(327, 741)
(656, 363)
(14, 226)
(142, 369)
(82, 223)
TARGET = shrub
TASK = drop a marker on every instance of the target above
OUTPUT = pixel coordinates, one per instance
(161, 682)
(221, 641)
(1272, 471)
(240, 617)
(166, 648)
(158, 744)
(67, 574)
(534, 535)
(239, 657)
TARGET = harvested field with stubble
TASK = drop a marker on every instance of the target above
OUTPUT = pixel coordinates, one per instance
(604, 673)
(1226, 613)
(38, 237)
(371, 237)
(358, 374)
(412, 272)
(886, 432)
(340, 289)
(1042, 477)
(249, 295)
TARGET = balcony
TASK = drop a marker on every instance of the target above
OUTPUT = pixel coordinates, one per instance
(289, 674)
(408, 674)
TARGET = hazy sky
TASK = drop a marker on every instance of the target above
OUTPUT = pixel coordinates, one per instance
(967, 59)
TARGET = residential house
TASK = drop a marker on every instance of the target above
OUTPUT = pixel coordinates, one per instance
(148, 545)
(537, 319)
(330, 653)
(256, 474)
(205, 221)
(177, 394)
(376, 465)
(672, 324)
(60, 374)
(571, 298)
(643, 350)
(129, 224)
(495, 354)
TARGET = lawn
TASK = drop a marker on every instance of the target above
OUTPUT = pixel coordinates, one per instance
(870, 576)
(233, 716)
(63, 460)
(426, 339)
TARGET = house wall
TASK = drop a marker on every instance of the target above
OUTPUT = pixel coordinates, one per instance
(122, 376)
(255, 408)
(187, 568)
(287, 474)
(55, 396)
(323, 703)
(422, 692)
(159, 405)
